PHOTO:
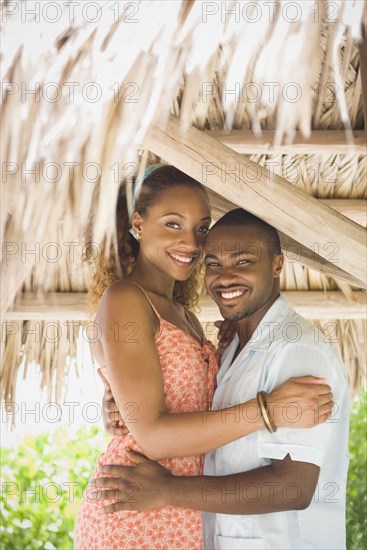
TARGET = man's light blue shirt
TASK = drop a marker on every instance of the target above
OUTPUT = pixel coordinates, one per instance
(284, 345)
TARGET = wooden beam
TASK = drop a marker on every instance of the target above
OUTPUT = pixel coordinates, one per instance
(308, 303)
(325, 142)
(52, 306)
(354, 209)
(71, 306)
(249, 185)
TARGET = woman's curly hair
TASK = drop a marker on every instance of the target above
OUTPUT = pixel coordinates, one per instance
(118, 261)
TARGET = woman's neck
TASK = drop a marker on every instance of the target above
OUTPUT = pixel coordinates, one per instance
(152, 280)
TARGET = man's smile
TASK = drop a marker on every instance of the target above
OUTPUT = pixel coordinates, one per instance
(231, 295)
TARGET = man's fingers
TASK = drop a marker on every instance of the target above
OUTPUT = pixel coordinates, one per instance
(116, 507)
(117, 431)
(104, 379)
(110, 494)
(218, 323)
(107, 482)
(114, 469)
(136, 457)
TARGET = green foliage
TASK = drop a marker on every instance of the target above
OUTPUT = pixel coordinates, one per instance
(48, 465)
(57, 468)
(357, 477)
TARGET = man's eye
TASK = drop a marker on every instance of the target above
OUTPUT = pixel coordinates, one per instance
(212, 264)
(204, 230)
(243, 262)
(174, 225)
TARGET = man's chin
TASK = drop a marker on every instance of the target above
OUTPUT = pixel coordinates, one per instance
(233, 315)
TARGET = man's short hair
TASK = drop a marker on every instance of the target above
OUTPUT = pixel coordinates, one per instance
(241, 218)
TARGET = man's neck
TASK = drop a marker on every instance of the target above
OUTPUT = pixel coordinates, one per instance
(246, 327)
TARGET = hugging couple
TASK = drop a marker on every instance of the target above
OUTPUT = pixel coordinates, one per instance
(243, 450)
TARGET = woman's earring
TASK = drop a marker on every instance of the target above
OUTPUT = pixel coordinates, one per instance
(138, 236)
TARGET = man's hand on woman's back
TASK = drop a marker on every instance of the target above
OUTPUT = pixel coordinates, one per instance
(112, 420)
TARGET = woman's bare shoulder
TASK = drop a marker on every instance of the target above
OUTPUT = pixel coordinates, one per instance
(126, 297)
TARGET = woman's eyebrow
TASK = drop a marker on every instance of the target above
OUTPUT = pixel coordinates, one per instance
(183, 217)
(174, 214)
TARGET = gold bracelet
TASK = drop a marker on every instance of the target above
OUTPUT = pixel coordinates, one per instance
(269, 424)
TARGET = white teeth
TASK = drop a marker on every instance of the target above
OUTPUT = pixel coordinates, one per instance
(182, 258)
(235, 294)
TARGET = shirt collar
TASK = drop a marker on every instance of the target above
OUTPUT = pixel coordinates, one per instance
(267, 328)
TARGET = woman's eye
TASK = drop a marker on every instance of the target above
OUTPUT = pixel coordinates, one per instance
(174, 225)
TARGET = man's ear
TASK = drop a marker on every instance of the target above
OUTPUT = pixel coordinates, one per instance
(278, 262)
(137, 223)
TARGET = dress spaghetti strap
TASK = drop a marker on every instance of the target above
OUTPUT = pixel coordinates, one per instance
(149, 300)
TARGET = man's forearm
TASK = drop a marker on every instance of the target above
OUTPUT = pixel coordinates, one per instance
(259, 491)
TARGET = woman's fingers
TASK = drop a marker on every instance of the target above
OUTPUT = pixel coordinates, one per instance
(309, 379)
(325, 398)
(327, 408)
(110, 404)
(113, 416)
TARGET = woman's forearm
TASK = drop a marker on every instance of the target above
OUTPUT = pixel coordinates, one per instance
(177, 435)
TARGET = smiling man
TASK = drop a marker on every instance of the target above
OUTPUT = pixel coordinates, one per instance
(275, 489)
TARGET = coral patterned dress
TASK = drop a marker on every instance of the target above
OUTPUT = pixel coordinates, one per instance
(189, 372)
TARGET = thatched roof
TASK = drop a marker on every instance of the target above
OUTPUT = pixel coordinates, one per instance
(99, 88)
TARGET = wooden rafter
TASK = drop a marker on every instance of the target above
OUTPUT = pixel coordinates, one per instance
(354, 209)
(326, 142)
(251, 186)
(71, 306)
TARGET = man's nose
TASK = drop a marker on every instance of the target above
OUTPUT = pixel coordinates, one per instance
(227, 275)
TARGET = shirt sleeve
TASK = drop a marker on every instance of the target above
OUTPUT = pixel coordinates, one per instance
(304, 445)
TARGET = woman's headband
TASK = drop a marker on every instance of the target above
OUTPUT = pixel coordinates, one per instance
(137, 186)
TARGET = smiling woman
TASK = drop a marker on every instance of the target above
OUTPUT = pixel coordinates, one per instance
(163, 376)
(111, 266)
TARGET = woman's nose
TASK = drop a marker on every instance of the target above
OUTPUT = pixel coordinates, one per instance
(190, 240)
